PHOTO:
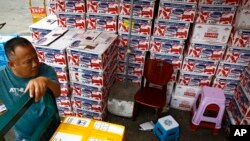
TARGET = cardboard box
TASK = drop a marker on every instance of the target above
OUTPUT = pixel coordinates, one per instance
(245, 80)
(182, 103)
(206, 50)
(72, 20)
(63, 101)
(102, 22)
(177, 11)
(244, 4)
(229, 85)
(103, 7)
(166, 45)
(137, 42)
(187, 91)
(139, 26)
(219, 2)
(194, 79)
(175, 60)
(239, 38)
(130, 78)
(210, 14)
(217, 34)
(242, 98)
(90, 114)
(232, 70)
(199, 65)
(171, 29)
(237, 55)
(91, 130)
(141, 9)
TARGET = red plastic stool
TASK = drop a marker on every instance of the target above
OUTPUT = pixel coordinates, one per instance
(208, 109)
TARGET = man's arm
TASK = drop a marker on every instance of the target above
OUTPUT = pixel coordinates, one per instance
(37, 87)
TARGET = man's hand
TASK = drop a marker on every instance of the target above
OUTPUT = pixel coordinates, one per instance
(37, 87)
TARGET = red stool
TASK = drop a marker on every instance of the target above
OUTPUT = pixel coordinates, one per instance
(208, 109)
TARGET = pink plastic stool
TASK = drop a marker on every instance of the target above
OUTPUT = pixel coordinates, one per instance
(208, 109)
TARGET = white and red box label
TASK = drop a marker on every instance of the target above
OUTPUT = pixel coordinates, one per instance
(229, 85)
(90, 92)
(72, 20)
(232, 70)
(218, 34)
(199, 65)
(215, 14)
(206, 51)
(219, 2)
(139, 26)
(175, 60)
(240, 38)
(171, 29)
(141, 9)
(102, 22)
(177, 11)
(194, 79)
(138, 42)
(187, 91)
(103, 7)
(166, 45)
(237, 55)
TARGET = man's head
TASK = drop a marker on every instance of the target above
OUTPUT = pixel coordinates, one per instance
(22, 57)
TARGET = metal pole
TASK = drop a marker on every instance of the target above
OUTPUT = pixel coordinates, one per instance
(129, 40)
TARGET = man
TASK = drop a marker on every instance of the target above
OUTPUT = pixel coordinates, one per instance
(24, 74)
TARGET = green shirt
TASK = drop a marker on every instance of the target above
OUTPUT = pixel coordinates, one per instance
(11, 90)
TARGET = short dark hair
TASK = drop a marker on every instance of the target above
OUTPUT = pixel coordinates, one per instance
(13, 43)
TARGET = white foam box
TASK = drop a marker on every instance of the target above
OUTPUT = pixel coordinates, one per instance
(87, 91)
(181, 102)
(206, 50)
(90, 114)
(196, 65)
(229, 85)
(92, 52)
(88, 104)
(217, 34)
(141, 9)
(166, 45)
(75, 6)
(187, 91)
(219, 2)
(237, 55)
(240, 38)
(43, 27)
(211, 14)
(233, 70)
(194, 79)
(175, 60)
(71, 20)
(177, 11)
(139, 26)
(242, 20)
(171, 29)
(63, 101)
(103, 7)
(102, 22)
(244, 4)
(137, 42)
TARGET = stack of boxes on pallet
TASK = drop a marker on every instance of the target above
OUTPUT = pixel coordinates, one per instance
(238, 54)
(142, 17)
(171, 30)
(92, 64)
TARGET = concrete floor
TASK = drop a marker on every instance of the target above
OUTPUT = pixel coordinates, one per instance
(16, 14)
